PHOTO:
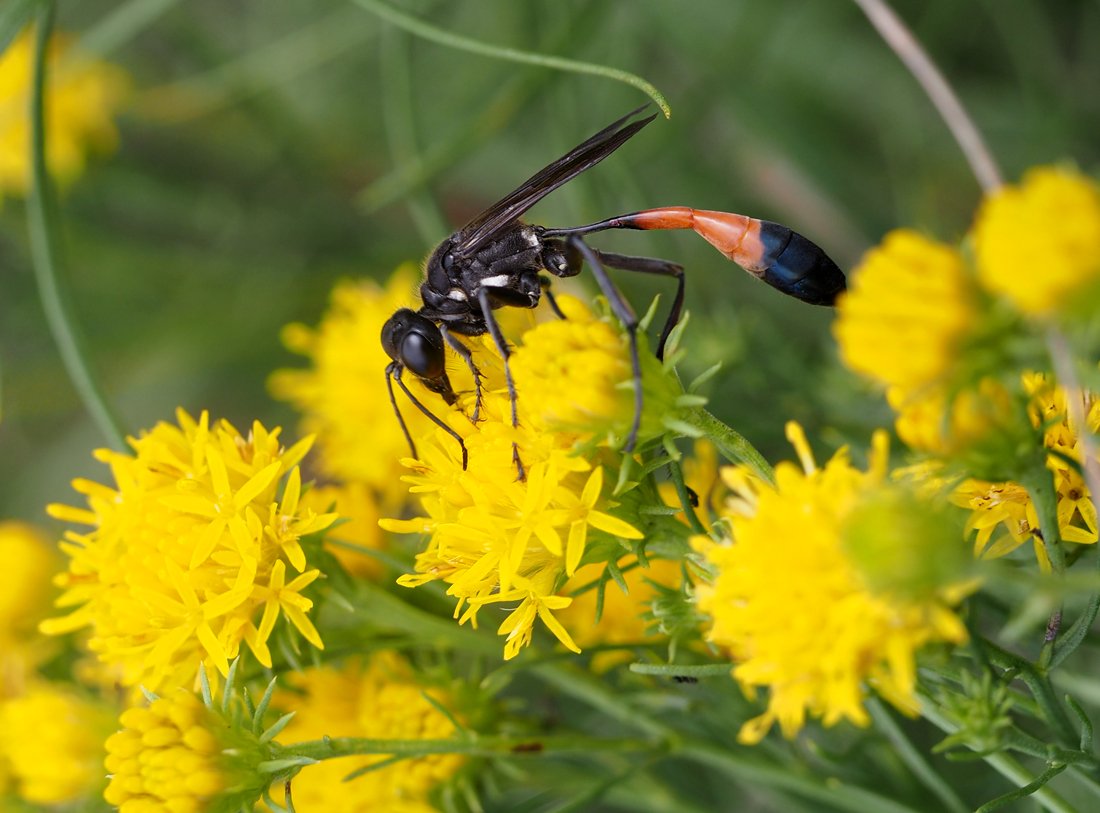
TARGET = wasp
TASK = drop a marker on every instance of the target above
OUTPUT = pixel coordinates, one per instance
(496, 260)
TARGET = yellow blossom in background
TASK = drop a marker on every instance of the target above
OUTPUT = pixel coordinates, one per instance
(51, 743)
(382, 699)
(82, 98)
(795, 611)
(1038, 243)
(1002, 514)
(622, 618)
(343, 394)
(931, 421)
(178, 755)
(190, 552)
(497, 539)
(25, 592)
(906, 313)
(357, 505)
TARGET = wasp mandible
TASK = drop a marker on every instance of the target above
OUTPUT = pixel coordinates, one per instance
(497, 261)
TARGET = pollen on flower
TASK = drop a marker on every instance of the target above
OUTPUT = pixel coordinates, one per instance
(909, 307)
(379, 698)
(188, 552)
(82, 99)
(1039, 242)
(844, 636)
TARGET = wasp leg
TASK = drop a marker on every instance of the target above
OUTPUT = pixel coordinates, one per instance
(505, 352)
(546, 282)
(393, 371)
(625, 314)
(647, 265)
(464, 353)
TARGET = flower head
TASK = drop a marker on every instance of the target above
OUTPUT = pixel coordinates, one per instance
(189, 551)
(907, 312)
(178, 754)
(380, 698)
(1038, 243)
(1003, 516)
(51, 742)
(82, 98)
(819, 632)
(575, 377)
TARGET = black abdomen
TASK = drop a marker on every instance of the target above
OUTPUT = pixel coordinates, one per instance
(798, 267)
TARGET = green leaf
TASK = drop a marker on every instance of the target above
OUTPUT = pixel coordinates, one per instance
(14, 17)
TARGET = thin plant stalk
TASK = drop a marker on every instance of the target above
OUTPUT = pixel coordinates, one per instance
(898, 36)
(46, 257)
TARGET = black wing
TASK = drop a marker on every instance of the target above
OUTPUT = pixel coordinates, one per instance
(504, 212)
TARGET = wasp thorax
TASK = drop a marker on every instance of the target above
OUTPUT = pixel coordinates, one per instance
(415, 342)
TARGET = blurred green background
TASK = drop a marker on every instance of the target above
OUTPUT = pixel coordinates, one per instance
(272, 148)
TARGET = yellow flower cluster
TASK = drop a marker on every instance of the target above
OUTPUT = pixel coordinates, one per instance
(82, 97)
(377, 699)
(924, 321)
(1038, 243)
(167, 757)
(188, 552)
(497, 539)
(817, 636)
(1007, 506)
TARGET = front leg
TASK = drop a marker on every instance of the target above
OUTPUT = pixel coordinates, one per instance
(502, 347)
(464, 353)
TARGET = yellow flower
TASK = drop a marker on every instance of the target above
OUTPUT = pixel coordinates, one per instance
(931, 421)
(907, 312)
(179, 755)
(380, 699)
(188, 552)
(1038, 243)
(1007, 507)
(803, 622)
(574, 375)
(82, 97)
(357, 504)
(622, 620)
(51, 739)
(343, 396)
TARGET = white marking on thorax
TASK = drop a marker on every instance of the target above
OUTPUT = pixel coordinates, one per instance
(457, 294)
(499, 281)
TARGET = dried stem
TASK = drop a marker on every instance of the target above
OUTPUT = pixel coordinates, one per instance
(916, 59)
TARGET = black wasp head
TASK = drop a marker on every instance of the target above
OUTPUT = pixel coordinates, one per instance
(414, 342)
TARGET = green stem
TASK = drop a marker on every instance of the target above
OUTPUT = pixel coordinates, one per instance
(1040, 488)
(730, 443)
(677, 475)
(122, 24)
(1038, 683)
(1005, 765)
(831, 792)
(480, 746)
(916, 761)
(46, 255)
(457, 41)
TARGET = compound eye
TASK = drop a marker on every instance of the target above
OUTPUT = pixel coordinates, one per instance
(422, 356)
